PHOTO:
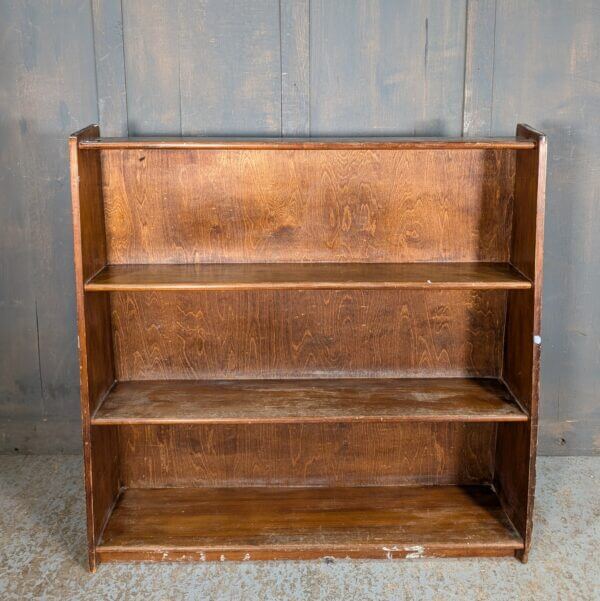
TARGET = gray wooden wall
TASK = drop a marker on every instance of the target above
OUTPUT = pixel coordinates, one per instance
(288, 67)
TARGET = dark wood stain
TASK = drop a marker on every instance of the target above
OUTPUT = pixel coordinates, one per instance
(289, 401)
(274, 523)
(307, 333)
(313, 454)
(319, 318)
(256, 206)
(308, 276)
(307, 143)
(94, 337)
(515, 477)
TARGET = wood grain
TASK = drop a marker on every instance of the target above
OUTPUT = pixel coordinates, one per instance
(47, 55)
(315, 454)
(559, 68)
(479, 67)
(308, 281)
(271, 523)
(228, 65)
(151, 48)
(305, 143)
(94, 337)
(110, 66)
(523, 321)
(303, 401)
(530, 196)
(387, 68)
(515, 476)
(22, 390)
(323, 276)
(294, 19)
(300, 334)
(251, 206)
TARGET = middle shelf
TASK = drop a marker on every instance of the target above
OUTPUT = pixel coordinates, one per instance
(304, 401)
(244, 276)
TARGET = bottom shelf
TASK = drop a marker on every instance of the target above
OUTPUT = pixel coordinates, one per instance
(198, 524)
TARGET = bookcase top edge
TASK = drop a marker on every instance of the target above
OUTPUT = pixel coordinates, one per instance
(347, 143)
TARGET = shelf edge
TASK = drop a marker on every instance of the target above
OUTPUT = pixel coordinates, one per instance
(174, 143)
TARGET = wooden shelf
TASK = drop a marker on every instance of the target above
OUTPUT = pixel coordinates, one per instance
(303, 401)
(389, 143)
(243, 276)
(350, 261)
(301, 523)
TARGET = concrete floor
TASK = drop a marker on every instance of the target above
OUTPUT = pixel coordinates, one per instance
(42, 551)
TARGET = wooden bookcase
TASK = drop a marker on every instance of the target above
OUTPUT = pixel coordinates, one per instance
(299, 348)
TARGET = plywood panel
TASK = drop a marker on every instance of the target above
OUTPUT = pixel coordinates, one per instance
(152, 66)
(479, 67)
(387, 67)
(110, 66)
(46, 91)
(229, 67)
(369, 75)
(295, 67)
(20, 383)
(186, 206)
(306, 454)
(274, 334)
(555, 89)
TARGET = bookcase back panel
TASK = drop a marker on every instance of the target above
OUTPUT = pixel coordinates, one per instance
(282, 333)
(306, 455)
(193, 206)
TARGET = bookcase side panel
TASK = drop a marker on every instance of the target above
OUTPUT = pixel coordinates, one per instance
(94, 336)
(516, 446)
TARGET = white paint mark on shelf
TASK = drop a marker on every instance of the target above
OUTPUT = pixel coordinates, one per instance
(415, 551)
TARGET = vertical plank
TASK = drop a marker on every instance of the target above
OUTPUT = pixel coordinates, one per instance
(230, 67)
(295, 67)
(48, 89)
(547, 69)
(110, 66)
(20, 383)
(387, 67)
(151, 47)
(94, 336)
(479, 67)
(516, 447)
